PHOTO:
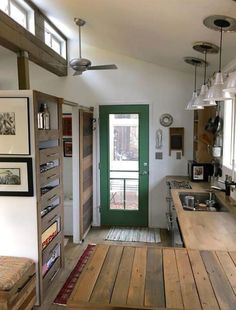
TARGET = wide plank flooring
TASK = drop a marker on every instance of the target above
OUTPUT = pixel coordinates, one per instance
(74, 251)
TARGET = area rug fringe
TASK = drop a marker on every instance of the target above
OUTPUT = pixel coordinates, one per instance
(127, 234)
(71, 281)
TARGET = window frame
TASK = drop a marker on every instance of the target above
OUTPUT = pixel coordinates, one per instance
(21, 9)
(55, 35)
(229, 137)
(26, 10)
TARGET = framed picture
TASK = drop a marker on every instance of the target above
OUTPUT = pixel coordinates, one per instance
(14, 126)
(67, 146)
(67, 125)
(198, 173)
(16, 176)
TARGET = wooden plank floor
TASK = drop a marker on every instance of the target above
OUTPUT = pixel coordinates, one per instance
(74, 251)
(201, 279)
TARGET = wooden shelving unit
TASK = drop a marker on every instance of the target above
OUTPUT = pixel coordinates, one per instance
(49, 192)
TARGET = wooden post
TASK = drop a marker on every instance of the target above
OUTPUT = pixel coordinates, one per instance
(23, 70)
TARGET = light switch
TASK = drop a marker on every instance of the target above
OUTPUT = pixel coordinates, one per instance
(159, 155)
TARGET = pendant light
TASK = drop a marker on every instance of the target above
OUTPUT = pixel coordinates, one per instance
(196, 62)
(205, 48)
(222, 24)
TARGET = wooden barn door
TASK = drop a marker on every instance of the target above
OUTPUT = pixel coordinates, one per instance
(86, 171)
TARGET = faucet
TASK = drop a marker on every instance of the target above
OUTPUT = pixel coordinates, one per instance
(228, 184)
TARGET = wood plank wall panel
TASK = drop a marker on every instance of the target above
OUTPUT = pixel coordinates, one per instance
(128, 277)
(86, 170)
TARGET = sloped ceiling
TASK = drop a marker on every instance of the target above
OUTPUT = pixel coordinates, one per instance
(158, 31)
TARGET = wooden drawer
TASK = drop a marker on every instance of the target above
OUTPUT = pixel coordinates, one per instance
(49, 218)
(49, 197)
(49, 176)
(51, 274)
(48, 154)
(45, 135)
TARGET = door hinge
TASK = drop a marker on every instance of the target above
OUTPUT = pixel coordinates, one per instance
(99, 166)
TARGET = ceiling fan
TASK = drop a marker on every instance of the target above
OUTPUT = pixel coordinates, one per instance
(80, 64)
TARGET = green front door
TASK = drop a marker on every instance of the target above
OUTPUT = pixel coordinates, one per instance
(124, 164)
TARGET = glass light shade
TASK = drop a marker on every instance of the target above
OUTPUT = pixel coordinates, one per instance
(215, 92)
(230, 84)
(200, 99)
(191, 104)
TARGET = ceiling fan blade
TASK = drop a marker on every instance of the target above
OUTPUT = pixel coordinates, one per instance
(77, 73)
(102, 67)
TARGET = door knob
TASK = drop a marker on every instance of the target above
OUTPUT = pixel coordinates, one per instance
(144, 172)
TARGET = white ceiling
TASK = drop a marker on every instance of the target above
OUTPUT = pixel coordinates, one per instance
(158, 31)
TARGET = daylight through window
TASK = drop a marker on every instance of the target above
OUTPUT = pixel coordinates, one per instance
(54, 40)
(20, 12)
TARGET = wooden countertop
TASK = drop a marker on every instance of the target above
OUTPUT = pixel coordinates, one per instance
(118, 277)
(207, 230)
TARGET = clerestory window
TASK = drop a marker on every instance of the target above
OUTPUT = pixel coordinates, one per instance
(54, 40)
(22, 13)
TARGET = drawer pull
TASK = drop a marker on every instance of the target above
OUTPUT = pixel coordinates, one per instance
(53, 218)
(54, 275)
(51, 176)
(24, 285)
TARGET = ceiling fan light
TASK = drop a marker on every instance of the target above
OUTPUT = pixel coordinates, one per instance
(230, 84)
(191, 104)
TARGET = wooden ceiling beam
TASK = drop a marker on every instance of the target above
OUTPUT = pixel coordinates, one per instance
(16, 38)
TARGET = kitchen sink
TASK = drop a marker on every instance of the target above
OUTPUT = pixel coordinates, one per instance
(207, 202)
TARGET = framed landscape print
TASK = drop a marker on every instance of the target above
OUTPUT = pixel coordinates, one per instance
(16, 176)
(14, 126)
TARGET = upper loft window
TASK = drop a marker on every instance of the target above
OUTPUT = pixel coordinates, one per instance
(22, 13)
(55, 40)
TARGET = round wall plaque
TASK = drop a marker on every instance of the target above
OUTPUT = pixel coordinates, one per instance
(166, 120)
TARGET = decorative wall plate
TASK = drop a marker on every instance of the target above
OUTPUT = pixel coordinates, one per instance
(166, 120)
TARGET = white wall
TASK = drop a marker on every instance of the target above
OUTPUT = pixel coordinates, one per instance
(166, 90)
(18, 215)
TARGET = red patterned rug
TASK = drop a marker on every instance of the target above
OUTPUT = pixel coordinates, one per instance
(70, 283)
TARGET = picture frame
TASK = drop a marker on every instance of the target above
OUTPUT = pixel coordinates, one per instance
(67, 125)
(67, 148)
(16, 177)
(198, 173)
(14, 126)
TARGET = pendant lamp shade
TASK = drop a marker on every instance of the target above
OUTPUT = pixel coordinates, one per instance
(200, 99)
(222, 24)
(205, 48)
(191, 104)
(215, 92)
(196, 62)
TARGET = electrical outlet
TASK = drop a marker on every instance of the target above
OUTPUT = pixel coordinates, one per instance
(178, 155)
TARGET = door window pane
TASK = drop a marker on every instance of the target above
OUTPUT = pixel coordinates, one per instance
(124, 161)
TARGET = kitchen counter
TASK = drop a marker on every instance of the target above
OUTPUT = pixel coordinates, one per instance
(206, 230)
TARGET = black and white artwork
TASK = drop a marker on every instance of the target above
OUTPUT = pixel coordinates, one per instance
(10, 176)
(14, 126)
(16, 177)
(7, 123)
